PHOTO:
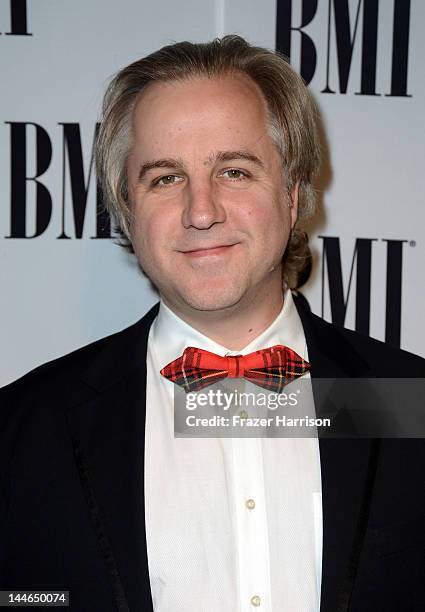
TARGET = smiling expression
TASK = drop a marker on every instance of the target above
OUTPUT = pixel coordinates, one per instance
(210, 214)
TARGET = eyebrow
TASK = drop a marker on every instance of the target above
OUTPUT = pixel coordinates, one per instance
(218, 156)
(176, 164)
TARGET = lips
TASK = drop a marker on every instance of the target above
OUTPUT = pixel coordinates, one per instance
(208, 251)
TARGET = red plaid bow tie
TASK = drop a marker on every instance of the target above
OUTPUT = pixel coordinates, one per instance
(271, 368)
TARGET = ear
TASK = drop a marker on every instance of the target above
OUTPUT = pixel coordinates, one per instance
(293, 204)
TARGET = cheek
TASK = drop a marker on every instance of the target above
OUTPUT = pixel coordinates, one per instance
(142, 230)
(275, 228)
(151, 234)
(270, 221)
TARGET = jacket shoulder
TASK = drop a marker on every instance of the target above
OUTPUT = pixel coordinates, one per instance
(345, 346)
(383, 359)
(61, 368)
(58, 375)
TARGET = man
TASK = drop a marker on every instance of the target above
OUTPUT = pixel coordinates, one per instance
(206, 155)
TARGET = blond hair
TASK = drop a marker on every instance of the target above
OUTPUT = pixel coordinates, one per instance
(292, 124)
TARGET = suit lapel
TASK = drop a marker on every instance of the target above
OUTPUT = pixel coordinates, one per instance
(108, 438)
(347, 465)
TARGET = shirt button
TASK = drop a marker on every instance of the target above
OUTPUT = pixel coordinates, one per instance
(256, 601)
(243, 414)
(250, 504)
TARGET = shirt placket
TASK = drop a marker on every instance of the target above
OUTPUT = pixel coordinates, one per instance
(251, 523)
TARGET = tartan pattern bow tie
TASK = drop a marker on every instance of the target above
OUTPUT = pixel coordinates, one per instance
(271, 368)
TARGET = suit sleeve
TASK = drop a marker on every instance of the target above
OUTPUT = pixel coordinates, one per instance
(10, 411)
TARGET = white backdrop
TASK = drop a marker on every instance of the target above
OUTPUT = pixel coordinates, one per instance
(59, 294)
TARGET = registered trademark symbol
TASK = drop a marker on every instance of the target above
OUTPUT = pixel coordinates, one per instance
(412, 243)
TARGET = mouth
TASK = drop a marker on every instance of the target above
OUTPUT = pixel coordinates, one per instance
(210, 251)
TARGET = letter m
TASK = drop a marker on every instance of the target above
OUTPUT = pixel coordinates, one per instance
(331, 262)
(79, 184)
(345, 37)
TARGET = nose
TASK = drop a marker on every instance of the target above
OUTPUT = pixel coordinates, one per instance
(202, 206)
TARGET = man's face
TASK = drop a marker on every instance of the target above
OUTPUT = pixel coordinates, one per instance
(211, 218)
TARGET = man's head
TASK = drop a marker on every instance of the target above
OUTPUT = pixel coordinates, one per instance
(204, 145)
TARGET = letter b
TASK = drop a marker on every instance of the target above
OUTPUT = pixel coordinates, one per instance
(284, 29)
(19, 178)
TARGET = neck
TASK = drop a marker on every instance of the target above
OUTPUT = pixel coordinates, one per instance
(236, 326)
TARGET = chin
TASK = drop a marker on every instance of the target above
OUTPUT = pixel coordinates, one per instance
(209, 301)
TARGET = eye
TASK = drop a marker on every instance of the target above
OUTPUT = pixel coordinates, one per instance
(164, 181)
(235, 174)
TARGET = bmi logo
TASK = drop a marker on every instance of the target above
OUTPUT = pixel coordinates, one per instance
(28, 187)
(344, 30)
(362, 262)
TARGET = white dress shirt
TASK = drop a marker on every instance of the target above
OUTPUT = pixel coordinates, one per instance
(232, 524)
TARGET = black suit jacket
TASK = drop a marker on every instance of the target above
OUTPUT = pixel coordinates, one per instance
(72, 485)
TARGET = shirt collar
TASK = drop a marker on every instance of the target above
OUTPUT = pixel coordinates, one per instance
(170, 335)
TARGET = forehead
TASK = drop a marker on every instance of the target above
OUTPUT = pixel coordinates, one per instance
(230, 105)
